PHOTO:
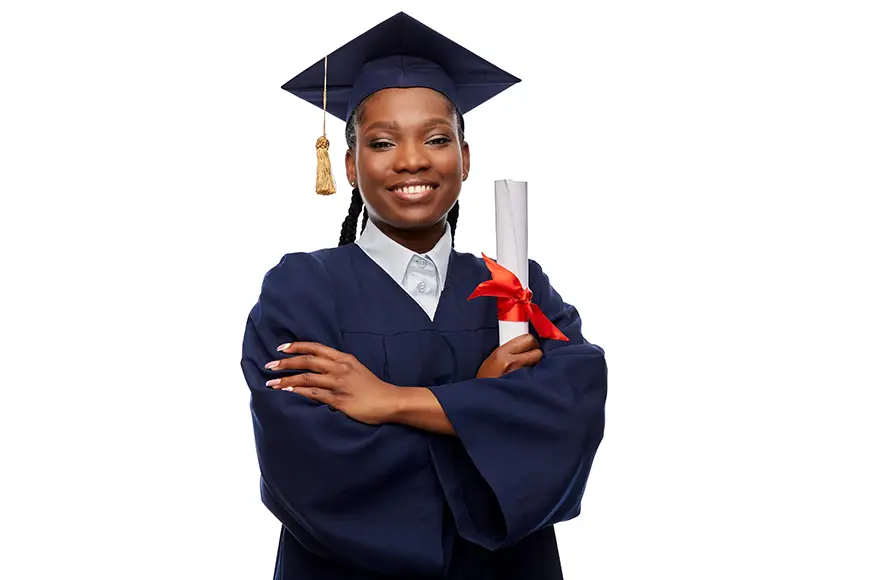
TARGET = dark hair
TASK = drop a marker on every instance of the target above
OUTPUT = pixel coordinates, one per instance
(349, 226)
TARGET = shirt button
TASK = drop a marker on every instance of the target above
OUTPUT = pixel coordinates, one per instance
(421, 287)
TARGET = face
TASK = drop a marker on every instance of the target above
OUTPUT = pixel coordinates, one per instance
(408, 163)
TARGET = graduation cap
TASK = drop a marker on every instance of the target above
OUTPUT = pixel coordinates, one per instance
(399, 52)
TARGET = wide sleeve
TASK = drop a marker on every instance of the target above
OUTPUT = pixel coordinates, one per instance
(524, 442)
(361, 495)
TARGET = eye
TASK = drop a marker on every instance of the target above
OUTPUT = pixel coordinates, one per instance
(380, 144)
(438, 141)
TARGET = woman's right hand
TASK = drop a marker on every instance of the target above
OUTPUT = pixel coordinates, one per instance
(522, 351)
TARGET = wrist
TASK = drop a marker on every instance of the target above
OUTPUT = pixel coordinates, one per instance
(408, 404)
(397, 404)
(419, 408)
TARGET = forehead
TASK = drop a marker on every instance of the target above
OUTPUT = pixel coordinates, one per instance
(404, 105)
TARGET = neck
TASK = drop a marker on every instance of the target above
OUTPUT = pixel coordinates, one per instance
(418, 240)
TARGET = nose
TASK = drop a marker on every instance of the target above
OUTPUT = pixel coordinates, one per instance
(411, 157)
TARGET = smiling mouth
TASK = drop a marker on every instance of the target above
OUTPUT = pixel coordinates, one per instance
(413, 192)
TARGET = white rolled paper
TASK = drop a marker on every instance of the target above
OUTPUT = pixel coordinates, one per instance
(512, 242)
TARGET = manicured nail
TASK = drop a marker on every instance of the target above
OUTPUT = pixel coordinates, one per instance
(288, 389)
(272, 365)
(273, 382)
(284, 346)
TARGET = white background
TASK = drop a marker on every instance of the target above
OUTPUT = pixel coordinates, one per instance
(698, 174)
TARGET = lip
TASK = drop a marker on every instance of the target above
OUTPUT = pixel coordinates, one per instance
(395, 190)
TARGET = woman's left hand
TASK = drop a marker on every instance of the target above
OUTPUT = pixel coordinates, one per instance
(336, 379)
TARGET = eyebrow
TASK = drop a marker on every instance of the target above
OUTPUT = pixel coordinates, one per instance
(430, 122)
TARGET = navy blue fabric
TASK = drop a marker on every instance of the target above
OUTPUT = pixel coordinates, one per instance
(369, 502)
(397, 53)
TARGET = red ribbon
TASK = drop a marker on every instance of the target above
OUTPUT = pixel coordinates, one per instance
(515, 302)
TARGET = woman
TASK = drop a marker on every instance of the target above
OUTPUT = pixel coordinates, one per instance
(396, 439)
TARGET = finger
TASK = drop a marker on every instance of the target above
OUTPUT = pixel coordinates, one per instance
(525, 359)
(314, 348)
(315, 394)
(304, 380)
(305, 362)
(522, 343)
(529, 358)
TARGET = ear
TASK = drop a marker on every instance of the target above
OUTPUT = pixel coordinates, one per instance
(466, 160)
(350, 167)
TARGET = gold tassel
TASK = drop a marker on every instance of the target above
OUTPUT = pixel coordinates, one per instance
(325, 184)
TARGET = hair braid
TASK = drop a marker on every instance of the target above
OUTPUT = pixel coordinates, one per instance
(452, 218)
(348, 228)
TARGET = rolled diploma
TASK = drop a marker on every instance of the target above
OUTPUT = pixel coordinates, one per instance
(512, 242)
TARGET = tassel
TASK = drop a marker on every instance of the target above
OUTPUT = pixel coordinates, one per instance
(325, 183)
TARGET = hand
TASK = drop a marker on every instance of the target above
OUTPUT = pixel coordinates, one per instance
(338, 380)
(522, 351)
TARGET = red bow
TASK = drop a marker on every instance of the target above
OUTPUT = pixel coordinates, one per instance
(515, 302)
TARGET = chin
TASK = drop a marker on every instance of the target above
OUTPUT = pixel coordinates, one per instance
(413, 220)
(415, 216)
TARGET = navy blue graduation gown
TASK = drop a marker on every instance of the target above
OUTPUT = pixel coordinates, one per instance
(367, 502)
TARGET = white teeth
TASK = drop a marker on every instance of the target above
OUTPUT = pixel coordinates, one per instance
(415, 189)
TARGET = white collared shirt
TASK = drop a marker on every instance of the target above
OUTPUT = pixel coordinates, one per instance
(421, 276)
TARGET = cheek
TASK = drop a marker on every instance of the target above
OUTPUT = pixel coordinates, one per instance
(448, 163)
(373, 167)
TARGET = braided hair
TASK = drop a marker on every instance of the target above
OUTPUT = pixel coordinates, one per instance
(349, 226)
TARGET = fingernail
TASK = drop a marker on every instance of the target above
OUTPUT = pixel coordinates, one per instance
(273, 382)
(283, 346)
(272, 364)
(288, 389)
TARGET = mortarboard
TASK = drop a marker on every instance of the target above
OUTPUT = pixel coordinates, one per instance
(397, 53)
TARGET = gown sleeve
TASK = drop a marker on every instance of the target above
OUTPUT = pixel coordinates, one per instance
(524, 442)
(364, 496)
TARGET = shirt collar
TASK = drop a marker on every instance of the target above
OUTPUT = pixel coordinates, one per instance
(394, 258)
